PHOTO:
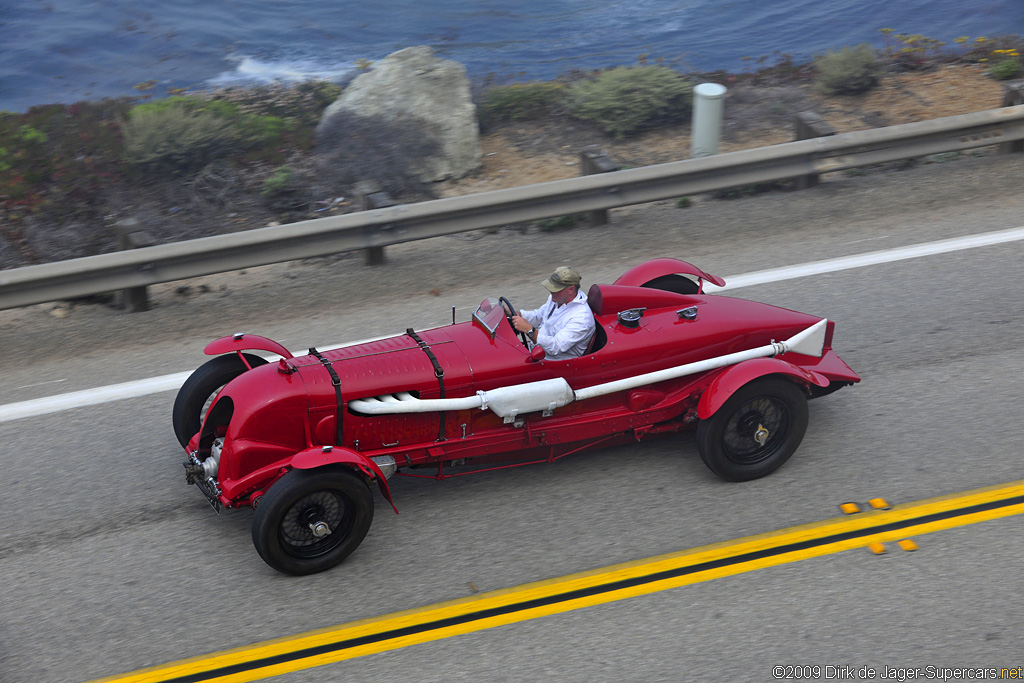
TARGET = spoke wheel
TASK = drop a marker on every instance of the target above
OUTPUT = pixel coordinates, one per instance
(755, 431)
(316, 524)
(310, 520)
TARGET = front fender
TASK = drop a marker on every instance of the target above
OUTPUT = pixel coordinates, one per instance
(245, 342)
(311, 458)
(735, 376)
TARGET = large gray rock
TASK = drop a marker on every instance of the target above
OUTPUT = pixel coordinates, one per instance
(414, 87)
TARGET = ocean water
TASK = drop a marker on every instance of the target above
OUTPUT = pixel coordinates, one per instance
(71, 50)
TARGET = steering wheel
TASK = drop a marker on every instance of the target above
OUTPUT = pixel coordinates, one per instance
(522, 335)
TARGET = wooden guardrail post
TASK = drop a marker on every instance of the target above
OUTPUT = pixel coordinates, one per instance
(594, 160)
(371, 196)
(1013, 94)
(807, 125)
(131, 235)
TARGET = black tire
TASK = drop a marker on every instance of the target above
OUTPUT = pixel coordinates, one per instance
(727, 442)
(282, 526)
(202, 385)
(680, 284)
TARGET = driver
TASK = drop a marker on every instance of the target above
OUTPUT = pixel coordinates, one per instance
(564, 325)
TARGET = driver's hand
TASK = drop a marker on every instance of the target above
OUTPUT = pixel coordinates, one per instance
(520, 324)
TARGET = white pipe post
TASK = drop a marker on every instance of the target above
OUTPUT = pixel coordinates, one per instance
(708, 101)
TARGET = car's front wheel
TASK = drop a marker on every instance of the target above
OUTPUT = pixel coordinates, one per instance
(310, 520)
(196, 394)
(755, 431)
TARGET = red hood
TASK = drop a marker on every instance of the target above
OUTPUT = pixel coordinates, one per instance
(386, 366)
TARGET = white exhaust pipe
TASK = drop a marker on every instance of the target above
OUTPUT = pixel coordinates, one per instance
(546, 395)
(508, 402)
(810, 342)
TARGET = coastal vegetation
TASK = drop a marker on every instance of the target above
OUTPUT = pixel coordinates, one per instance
(620, 101)
(849, 71)
(625, 100)
(520, 101)
(71, 169)
(184, 133)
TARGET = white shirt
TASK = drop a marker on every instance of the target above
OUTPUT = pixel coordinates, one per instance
(563, 331)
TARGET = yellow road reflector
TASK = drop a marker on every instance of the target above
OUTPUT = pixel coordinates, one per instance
(876, 547)
(879, 503)
(907, 545)
(849, 508)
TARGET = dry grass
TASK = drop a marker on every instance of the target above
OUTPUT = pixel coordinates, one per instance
(536, 152)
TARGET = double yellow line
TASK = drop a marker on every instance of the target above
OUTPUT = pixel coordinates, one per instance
(575, 591)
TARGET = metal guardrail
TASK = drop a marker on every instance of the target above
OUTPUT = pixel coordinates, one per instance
(408, 222)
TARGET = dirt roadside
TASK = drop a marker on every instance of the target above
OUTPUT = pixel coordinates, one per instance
(534, 152)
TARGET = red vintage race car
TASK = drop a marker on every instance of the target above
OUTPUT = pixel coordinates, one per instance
(302, 439)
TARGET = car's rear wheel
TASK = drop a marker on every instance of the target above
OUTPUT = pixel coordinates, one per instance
(197, 392)
(680, 284)
(755, 431)
(310, 520)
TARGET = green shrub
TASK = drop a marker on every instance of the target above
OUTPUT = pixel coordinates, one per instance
(59, 156)
(1006, 69)
(261, 130)
(23, 150)
(627, 99)
(280, 181)
(177, 139)
(521, 101)
(296, 108)
(30, 135)
(180, 134)
(849, 71)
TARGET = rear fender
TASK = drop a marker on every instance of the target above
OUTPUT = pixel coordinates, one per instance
(311, 458)
(245, 342)
(733, 377)
(640, 274)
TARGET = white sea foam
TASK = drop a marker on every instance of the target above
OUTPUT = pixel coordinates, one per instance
(250, 70)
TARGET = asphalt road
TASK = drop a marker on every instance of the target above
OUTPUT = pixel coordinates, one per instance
(110, 563)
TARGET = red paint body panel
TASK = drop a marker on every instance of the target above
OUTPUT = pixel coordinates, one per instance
(611, 299)
(311, 458)
(731, 378)
(245, 342)
(282, 415)
(655, 268)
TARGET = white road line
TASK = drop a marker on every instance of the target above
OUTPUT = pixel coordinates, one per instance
(115, 392)
(41, 384)
(91, 397)
(153, 385)
(872, 258)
